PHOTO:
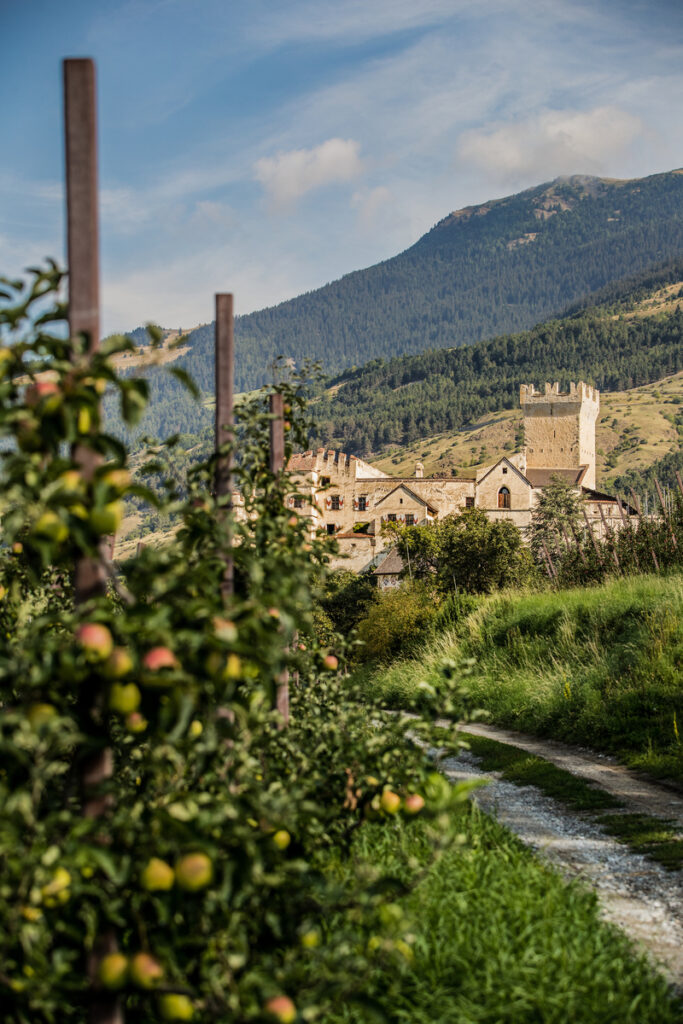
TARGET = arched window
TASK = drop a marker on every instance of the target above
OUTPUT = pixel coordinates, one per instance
(503, 498)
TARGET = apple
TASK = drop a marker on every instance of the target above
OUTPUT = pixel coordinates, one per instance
(51, 526)
(293, 521)
(145, 971)
(124, 698)
(119, 663)
(112, 970)
(390, 802)
(106, 519)
(157, 876)
(57, 888)
(282, 1008)
(274, 613)
(38, 390)
(31, 914)
(225, 629)
(17, 547)
(331, 662)
(84, 422)
(158, 658)
(118, 478)
(413, 803)
(174, 1006)
(282, 839)
(79, 510)
(71, 481)
(196, 729)
(96, 641)
(3, 591)
(135, 722)
(39, 714)
(310, 939)
(233, 667)
(193, 871)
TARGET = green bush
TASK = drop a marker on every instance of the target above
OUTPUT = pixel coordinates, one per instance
(396, 623)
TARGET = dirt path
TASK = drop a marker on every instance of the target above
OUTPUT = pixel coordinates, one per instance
(636, 793)
(641, 897)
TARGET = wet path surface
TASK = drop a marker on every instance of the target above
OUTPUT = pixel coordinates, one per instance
(641, 897)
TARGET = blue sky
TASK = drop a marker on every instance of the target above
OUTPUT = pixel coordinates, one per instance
(266, 147)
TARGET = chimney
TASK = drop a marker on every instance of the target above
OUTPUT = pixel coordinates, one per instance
(419, 471)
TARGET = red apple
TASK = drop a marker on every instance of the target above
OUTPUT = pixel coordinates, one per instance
(282, 1008)
(331, 662)
(158, 658)
(38, 390)
(96, 640)
(413, 803)
(145, 971)
(135, 722)
(194, 871)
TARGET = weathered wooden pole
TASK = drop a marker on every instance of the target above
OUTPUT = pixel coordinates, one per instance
(546, 552)
(592, 536)
(679, 482)
(665, 513)
(626, 523)
(80, 134)
(575, 534)
(608, 534)
(636, 505)
(225, 387)
(277, 464)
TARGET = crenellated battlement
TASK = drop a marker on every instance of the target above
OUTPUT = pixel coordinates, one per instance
(580, 392)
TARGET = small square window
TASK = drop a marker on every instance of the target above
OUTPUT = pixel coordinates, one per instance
(362, 503)
(410, 519)
(298, 502)
(392, 517)
(331, 528)
(334, 502)
(469, 502)
(324, 481)
(505, 469)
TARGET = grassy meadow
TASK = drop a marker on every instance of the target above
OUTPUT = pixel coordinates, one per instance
(600, 666)
(499, 938)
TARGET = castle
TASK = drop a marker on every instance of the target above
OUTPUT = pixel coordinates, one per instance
(352, 499)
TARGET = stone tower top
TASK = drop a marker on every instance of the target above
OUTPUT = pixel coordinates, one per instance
(559, 427)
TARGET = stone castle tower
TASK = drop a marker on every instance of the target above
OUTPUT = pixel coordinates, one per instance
(559, 427)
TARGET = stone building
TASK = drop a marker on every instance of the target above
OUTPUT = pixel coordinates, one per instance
(352, 500)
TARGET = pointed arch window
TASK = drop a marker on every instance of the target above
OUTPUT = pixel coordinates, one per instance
(503, 498)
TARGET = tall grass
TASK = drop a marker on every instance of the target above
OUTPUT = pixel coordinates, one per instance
(499, 938)
(601, 666)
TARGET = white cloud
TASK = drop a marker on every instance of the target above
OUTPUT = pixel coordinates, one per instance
(289, 175)
(371, 203)
(551, 143)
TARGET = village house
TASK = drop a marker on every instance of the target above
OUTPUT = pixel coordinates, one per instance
(352, 500)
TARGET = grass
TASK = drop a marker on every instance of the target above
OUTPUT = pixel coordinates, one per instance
(659, 840)
(499, 938)
(600, 666)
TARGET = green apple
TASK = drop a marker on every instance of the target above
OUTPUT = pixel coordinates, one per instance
(390, 802)
(106, 519)
(119, 664)
(282, 839)
(124, 698)
(157, 875)
(135, 722)
(39, 714)
(112, 971)
(174, 1006)
(51, 526)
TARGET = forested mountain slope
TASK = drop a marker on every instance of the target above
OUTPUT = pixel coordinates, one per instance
(617, 346)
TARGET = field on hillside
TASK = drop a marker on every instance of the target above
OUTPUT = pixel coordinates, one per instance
(601, 666)
(635, 429)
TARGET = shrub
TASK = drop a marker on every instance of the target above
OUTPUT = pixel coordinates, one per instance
(396, 622)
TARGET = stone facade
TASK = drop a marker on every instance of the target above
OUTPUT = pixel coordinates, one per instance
(352, 500)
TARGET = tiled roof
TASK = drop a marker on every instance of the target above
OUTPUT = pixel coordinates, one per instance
(391, 566)
(543, 477)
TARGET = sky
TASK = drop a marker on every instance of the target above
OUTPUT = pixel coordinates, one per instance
(266, 147)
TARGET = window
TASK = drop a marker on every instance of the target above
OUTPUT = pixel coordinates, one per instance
(334, 502)
(298, 502)
(331, 528)
(469, 502)
(505, 469)
(410, 519)
(362, 503)
(503, 498)
(391, 517)
(324, 481)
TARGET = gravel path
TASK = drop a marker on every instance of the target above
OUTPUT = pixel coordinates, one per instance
(636, 793)
(641, 897)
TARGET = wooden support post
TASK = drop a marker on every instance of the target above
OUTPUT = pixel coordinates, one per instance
(636, 505)
(277, 464)
(553, 570)
(679, 482)
(575, 534)
(608, 533)
(592, 536)
(626, 523)
(80, 130)
(225, 386)
(665, 513)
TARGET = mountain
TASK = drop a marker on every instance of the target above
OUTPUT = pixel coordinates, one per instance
(481, 272)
